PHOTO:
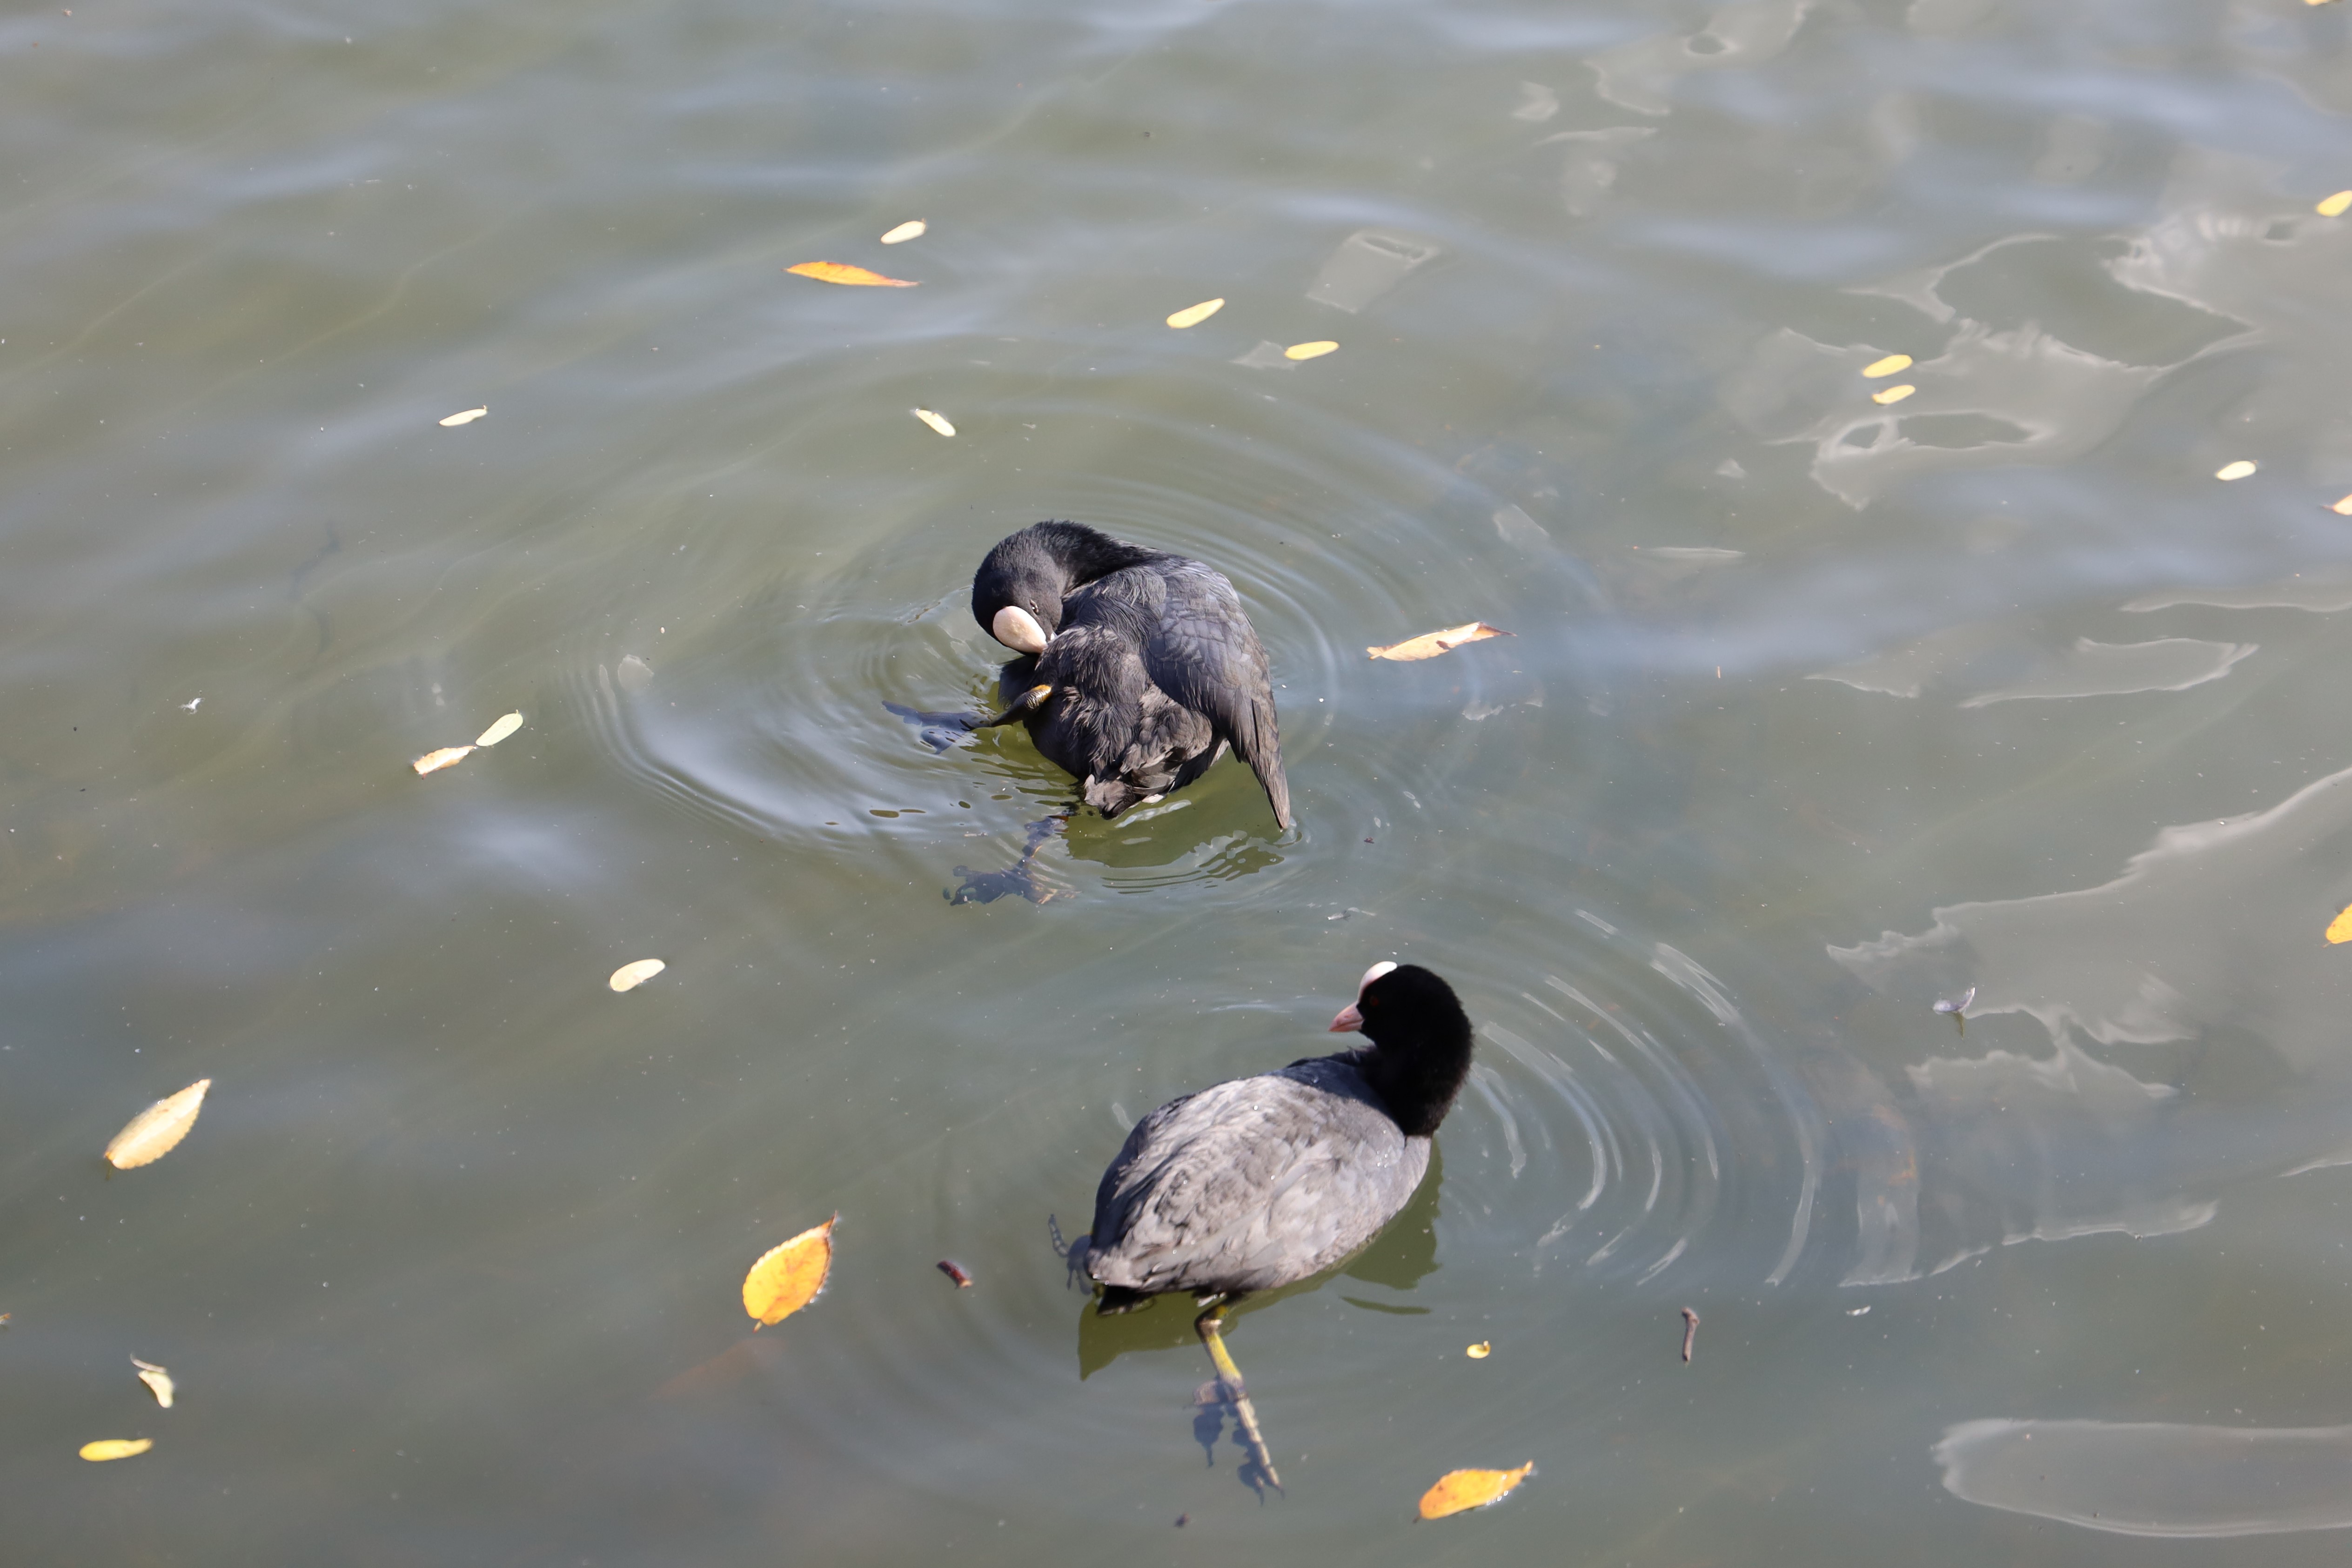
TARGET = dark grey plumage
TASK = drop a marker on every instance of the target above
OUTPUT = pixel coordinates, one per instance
(1153, 666)
(1262, 1181)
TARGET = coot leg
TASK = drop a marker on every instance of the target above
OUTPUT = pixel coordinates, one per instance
(987, 887)
(1210, 1325)
(1028, 703)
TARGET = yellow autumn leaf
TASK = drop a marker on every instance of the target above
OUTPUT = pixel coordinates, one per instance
(500, 731)
(1194, 315)
(2237, 470)
(1429, 644)
(1310, 351)
(431, 761)
(2335, 206)
(913, 228)
(157, 1131)
(843, 272)
(1461, 1489)
(936, 421)
(468, 417)
(629, 976)
(788, 1278)
(1480, 1351)
(2340, 928)
(1894, 393)
(2342, 508)
(1887, 367)
(158, 1380)
(116, 1448)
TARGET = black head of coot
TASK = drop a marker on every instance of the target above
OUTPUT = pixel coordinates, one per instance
(1420, 1043)
(1017, 594)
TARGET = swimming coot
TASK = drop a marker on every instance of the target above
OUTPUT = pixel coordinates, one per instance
(1261, 1181)
(1146, 669)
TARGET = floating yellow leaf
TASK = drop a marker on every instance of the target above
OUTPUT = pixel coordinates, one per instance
(841, 272)
(1429, 644)
(2237, 470)
(500, 731)
(157, 1131)
(2340, 928)
(1887, 367)
(1459, 1490)
(468, 417)
(1194, 315)
(1310, 351)
(2335, 206)
(913, 228)
(1894, 393)
(788, 1278)
(1480, 1351)
(431, 761)
(116, 1448)
(2342, 508)
(936, 422)
(158, 1380)
(629, 976)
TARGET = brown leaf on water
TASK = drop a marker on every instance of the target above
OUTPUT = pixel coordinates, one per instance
(157, 1131)
(432, 761)
(116, 1448)
(158, 1380)
(1429, 644)
(843, 272)
(1461, 1489)
(788, 1278)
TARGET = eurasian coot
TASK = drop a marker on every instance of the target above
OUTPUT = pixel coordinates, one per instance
(1146, 666)
(1261, 1181)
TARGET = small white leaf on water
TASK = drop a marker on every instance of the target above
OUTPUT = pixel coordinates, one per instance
(913, 228)
(1894, 393)
(468, 417)
(629, 976)
(157, 1131)
(431, 761)
(2237, 470)
(1194, 315)
(158, 1380)
(500, 731)
(933, 420)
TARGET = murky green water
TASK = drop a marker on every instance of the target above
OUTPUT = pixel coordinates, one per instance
(1820, 710)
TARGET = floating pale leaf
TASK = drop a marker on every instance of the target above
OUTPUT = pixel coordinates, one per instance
(116, 1448)
(913, 228)
(841, 272)
(1194, 315)
(788, 1278)
(2340, 928)
(158, 1380)
(468, 417)
(1310, 351)
(1429, 644)
(1894, 393)
(1887, 367)
(500, 731)
(936, 422)
(1480, 1351)
(2342, 508)
(157, 1131)
(2237, 470)
(432, 760)
(2335, 206)
(629, 976)
(1461, 1489)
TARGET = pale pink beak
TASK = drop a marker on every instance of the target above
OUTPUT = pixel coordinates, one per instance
(1347, 1022)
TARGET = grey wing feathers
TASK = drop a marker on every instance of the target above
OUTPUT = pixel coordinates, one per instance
(1204, 653)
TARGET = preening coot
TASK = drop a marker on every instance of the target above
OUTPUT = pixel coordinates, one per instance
(1147, 667)
(1262, 1181)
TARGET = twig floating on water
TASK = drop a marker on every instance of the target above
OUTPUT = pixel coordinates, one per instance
(1690, 1331)
(948, 1267)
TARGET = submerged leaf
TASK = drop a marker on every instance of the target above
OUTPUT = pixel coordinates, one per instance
(937, 422)
(431, 761)
(2237, 470)
(116, 1448)
(157, 1131)
(843, 272)
(1310, 351)
(1887, 367)
(468, 417)
(1461, 1489)
(1894, 393)
(2340, 928)
(1429, 644)
(1194, 315)
(913, 228)
(2335, 206)
(500, 731)
(158, 1380)
(788, 1278)
(629, 976)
